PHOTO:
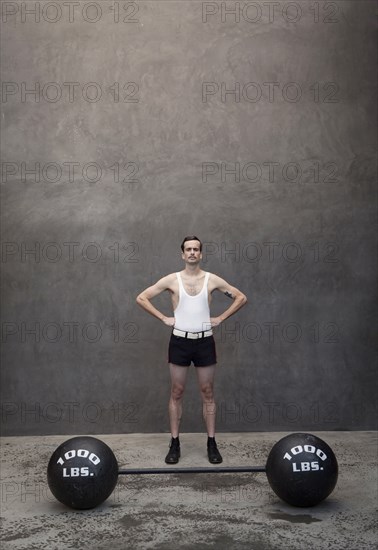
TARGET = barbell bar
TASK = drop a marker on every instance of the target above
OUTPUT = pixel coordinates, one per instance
(194, 470)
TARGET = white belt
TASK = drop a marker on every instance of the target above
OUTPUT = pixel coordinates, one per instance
(192, 335)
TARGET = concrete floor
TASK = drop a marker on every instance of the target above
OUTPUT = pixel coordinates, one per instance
(223, 511)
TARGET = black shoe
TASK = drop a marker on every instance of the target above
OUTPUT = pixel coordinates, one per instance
(212, 452)
(174, 451)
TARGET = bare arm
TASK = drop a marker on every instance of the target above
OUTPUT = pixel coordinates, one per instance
(239, 299)
(144, 299)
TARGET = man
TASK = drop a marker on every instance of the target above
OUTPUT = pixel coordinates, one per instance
(192, 338)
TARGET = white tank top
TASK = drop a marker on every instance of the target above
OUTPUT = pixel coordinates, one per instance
(192, 313)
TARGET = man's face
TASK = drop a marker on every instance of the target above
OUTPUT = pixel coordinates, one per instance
(192, 254)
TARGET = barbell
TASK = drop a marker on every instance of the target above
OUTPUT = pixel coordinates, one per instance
(301, 469)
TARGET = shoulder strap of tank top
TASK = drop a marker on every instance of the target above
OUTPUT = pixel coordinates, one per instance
(179, 279)
(206, 281)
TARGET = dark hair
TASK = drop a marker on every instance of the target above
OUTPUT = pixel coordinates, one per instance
(191, 238)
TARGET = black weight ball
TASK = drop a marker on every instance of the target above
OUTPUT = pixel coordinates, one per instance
(82, 472)
(302, 469)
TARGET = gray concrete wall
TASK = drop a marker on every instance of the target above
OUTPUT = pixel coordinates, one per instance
(126, 126)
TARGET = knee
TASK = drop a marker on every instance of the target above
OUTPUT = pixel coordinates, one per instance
(207, 391)
(177, 391)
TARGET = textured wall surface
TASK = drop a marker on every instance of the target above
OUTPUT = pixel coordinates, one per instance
(128, 125)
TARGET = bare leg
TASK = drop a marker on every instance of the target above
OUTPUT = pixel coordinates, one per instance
(178, 381)
(205, 377)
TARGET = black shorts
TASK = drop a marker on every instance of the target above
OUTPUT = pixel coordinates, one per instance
(182, 351)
